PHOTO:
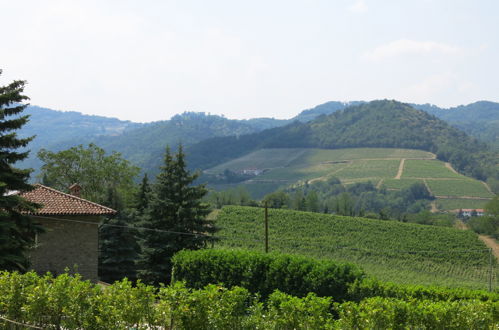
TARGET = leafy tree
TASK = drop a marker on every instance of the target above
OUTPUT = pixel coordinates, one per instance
(90, 167)
(277, 200)
(312, 202)
(492, 207)
(17, 231)
(176, 217)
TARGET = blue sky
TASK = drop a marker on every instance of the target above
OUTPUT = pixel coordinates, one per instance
(148, 60)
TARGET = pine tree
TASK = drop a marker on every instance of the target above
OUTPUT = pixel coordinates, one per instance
(17, 231)
(142, 199)
(177, 217)
(117, 241)
(119, 248)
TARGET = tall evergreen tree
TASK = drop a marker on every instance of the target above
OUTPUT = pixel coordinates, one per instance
(143, 195)
(117, 241)
(17, 231)
(177, 218)
(119, 248)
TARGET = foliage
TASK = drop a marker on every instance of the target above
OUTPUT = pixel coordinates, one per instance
(389, 250)
(370, 287)
(487, 225)
(386, 313)
(17, 230)
(331, 196)
(263, 273)
(234, 196)
(176, 217)
(118, 247)
(92, 169)
(67, 302)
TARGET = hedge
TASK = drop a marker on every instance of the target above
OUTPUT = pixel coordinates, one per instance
(369, 287)
(263, 273)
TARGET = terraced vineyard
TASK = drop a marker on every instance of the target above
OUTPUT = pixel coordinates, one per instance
(393, 168)
(388, 250)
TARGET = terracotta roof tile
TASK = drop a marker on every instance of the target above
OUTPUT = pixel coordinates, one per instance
(56, 202)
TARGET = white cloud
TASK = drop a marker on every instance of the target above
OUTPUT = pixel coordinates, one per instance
(358, 6)
(409, 47)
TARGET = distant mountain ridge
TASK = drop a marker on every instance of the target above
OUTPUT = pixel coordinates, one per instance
(143, 144)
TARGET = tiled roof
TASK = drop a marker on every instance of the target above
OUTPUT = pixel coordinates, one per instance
(55, 202)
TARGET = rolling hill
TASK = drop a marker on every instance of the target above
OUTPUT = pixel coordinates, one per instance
(392, 168)
(389, 250)
(377, 124)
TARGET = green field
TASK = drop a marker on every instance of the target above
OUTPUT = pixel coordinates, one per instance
(389, 250)
(456, 204)
(416, 168)
(285, 167)
(400, 184)
(458, 188)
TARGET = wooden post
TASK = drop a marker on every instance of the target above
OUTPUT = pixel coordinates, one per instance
(266, 228)
(491, 270)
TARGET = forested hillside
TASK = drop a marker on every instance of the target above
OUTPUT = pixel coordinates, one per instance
(480, 119)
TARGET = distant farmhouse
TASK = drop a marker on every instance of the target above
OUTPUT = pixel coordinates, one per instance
(472, 212)
(71, 237)
(251, 171)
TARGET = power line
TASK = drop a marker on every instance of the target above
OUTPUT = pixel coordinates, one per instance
(19, 323)
(122, 226)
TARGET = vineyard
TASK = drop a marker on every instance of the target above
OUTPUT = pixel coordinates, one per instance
(392, 168)
(388, 250)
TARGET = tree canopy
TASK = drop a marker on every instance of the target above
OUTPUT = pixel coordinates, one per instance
(90, 167)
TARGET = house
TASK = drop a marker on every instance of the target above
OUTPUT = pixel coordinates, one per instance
(472, 212)
(71, 231)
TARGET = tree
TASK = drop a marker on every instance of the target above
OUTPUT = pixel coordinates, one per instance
(119, 247)
(92, 169)
(17, 231)
(176, 217)
(492, 207)
(142, 199)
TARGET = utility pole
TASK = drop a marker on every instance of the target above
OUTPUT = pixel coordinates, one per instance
(266, 228)
(491, 270)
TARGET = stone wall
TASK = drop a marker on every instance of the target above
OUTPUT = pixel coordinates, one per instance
(67, 244)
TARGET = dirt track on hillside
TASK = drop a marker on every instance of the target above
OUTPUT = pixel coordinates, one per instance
(401, 169)
(489, 241)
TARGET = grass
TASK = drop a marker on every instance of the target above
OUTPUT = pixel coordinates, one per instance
(369, 169)
(415, 168)
(458, 188)
(389, 250)
(400, 184)
(456, 204)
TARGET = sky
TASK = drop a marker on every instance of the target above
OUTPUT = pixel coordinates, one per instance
(149, 60)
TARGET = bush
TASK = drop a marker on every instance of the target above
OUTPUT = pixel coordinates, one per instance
(389, 313)
(368, 288)
(264, 273)
(67, 302)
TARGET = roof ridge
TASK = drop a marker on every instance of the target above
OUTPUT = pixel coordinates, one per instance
(74, 197)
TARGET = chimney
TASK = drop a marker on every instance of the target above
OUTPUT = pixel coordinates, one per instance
(75, 190)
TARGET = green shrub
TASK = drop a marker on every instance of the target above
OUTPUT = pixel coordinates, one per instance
(67, 302)
(264, 273)
(368, 288)
(389, 313)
